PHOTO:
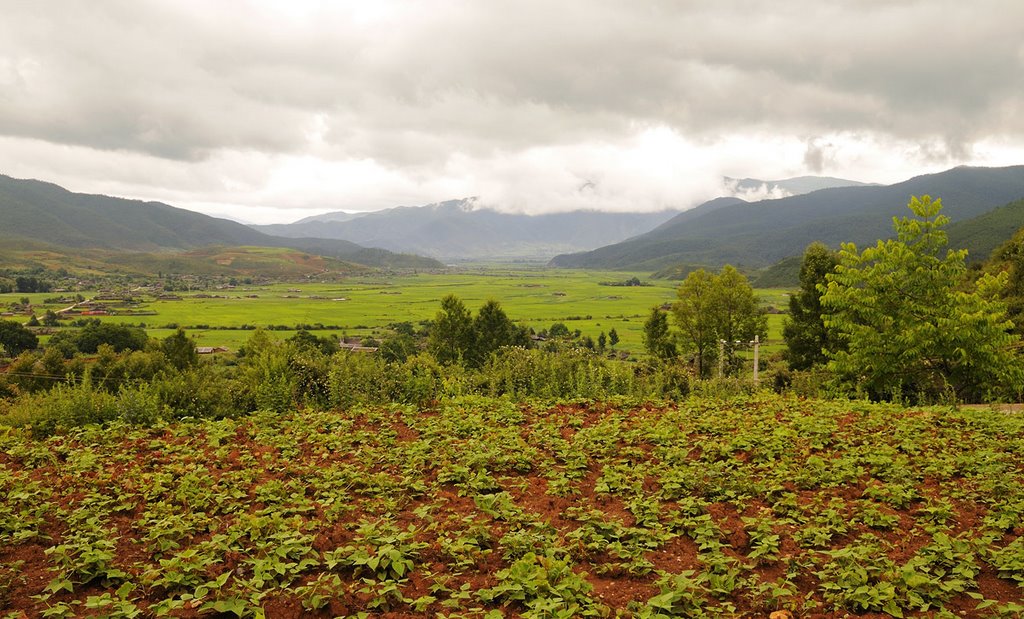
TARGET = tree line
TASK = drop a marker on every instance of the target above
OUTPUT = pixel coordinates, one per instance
(898, 320)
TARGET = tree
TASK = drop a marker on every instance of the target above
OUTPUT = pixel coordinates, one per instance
(180, 350)
(558, 329)
(493, 329)
(804, 330)
(304, 340)
(911, 326)
(451, 335)
(1009, 257)
(398, 347)
(717, 307)
(738, 313)
(693, 313)
(51, 319)
(15, 338)
(613, 337)
(31, 284)
(120, 337)
(602, 342)
(657, 339)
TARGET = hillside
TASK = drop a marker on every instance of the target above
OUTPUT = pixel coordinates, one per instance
(981, 235)
(461, 230)
(277, 262)
(762, 233)
(37, 211)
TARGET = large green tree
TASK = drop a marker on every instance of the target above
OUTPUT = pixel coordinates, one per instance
(493, 329)
(911, 325)
(658, 339)
(693, 313)
(180, 350)
(451, 337)
(713, 307)
(119, 337)
(15, 338)
(804, 330)
(1009, 258)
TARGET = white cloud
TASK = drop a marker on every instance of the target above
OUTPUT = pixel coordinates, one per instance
(247, 107)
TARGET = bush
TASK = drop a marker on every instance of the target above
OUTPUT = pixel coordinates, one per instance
(310, 371)
(267, 373)
(662, 379)
(32, 371)
(521, 373)
(357, 378)
(64, 406)
(420, 380)
(139, 405)
(203, 393)
(113, 370)
(724, 387)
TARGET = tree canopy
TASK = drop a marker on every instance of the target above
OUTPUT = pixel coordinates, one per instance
(911, 326)
(657, 339)
(451, 334)
(804, 330)
(717, 307)
(119, 337)
(1009, 258)
(15, 338)
(457, 337)
(493, 329)
(180, 350)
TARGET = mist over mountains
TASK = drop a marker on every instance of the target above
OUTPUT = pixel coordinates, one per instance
(466, 230)
(758, 234)
(729, 229)
(460, 230)
(753, 189)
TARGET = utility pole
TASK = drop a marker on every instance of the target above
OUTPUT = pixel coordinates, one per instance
(721, 358)
(757, 346)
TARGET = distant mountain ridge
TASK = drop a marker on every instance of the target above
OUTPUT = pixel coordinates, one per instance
(465, 230)
(745, 187)
(462, 230)
(33, 210)
(761, 233)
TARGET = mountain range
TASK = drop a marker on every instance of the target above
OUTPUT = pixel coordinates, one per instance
(37, 219)
(467, 230)
(758, 234)
(463, 230)
(36, 212)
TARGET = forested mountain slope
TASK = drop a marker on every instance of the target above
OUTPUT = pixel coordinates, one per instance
(762, 233)
(32, 210)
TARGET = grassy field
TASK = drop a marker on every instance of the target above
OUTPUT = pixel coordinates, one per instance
(487, 508)
(363, 305)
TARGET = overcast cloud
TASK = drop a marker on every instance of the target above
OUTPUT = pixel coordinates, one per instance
(269, 111)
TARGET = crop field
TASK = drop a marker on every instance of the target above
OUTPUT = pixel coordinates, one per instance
(485, 508)
(362, 306)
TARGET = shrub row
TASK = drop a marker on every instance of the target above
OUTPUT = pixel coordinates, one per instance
(278, 378)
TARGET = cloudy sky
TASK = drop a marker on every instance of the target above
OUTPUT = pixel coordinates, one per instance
(272, 110)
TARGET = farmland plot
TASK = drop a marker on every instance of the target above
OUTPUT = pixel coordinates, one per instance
(485, 508)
